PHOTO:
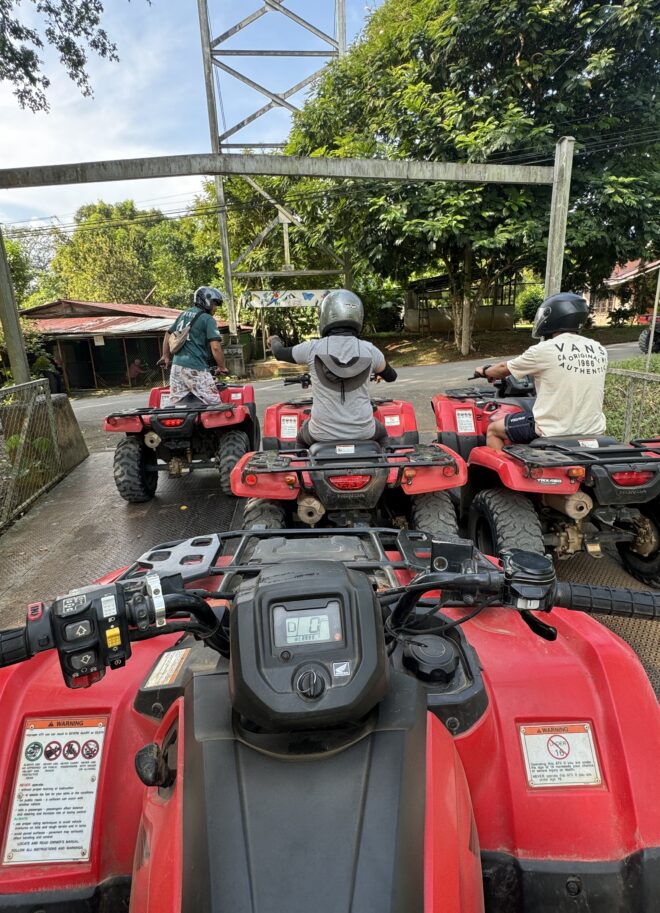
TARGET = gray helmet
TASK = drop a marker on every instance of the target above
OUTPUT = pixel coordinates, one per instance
(207, 297)
(561, 313)
(340, 308)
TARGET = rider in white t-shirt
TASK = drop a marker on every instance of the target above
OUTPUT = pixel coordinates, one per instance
(569, 374)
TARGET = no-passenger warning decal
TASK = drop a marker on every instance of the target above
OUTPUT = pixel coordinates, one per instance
(52, 811)
(559, 754)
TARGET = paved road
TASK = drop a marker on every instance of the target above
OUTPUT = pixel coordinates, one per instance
(416, 384)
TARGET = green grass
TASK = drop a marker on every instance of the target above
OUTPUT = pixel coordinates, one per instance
(645, 402)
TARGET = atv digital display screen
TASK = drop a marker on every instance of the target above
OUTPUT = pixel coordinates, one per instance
(319, 625)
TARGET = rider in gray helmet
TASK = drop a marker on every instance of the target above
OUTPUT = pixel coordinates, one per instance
(190, 359)
(569, 374)
(340, 364)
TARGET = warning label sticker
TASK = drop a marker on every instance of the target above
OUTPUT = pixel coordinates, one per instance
(52, 810)
(560, 754)
(167, 668)
(392, 420)
(288, 426)
(464, 421)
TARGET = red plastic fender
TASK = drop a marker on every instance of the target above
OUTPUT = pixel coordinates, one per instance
(225, 418)
(157, 872)
(35, 690)
(266, 485)
(588, 675)
(511, 472)
(128, 425)
(452, 866)
(398, 417)
(431, 478)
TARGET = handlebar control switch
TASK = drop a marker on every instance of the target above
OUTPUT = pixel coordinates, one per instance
(90, 631)
(529, 580)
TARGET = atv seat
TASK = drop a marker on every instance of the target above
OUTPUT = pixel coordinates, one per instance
(327, 450)
(526, 403)
(188, 400)
(601, 439)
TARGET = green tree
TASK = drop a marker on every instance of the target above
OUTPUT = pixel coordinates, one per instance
(20, 269)
(489, 81)
(71, 27)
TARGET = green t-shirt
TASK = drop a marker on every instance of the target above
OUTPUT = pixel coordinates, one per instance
(195, 353)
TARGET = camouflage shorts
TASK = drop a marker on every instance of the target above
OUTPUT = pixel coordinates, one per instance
(200, 383)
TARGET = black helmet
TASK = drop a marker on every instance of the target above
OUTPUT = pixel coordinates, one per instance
(207, 297)
(340, 308)
(561, 313)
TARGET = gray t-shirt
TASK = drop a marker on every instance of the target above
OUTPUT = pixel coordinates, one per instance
(332, 419)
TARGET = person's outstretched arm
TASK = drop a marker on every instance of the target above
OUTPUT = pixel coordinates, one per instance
(280, 351)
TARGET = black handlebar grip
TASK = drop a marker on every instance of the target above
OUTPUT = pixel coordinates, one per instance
(606, 600)
(13, 646)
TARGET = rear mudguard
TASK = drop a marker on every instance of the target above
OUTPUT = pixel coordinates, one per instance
(288, 482)
(512, 473)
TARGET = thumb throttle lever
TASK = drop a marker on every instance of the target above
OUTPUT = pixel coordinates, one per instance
(604, 600)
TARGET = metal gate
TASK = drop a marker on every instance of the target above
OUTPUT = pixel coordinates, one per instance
(30, 460)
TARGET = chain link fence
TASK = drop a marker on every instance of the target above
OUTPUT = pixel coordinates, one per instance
(30, 459)
(632, 404)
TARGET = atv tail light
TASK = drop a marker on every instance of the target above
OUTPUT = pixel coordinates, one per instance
(449, 471)
(250, 478)
(577, 472)
(172, 422)
(630, 479)
(349, 483)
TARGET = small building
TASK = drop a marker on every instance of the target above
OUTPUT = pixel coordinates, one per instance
(428, 306)
(98, 343)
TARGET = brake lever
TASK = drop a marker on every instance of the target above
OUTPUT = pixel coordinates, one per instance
(540, 628)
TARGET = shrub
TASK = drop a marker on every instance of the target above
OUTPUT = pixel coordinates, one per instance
(528, 303)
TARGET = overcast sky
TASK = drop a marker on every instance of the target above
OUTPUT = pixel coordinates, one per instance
(152, 102)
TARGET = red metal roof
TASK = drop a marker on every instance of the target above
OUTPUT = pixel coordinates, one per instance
(630, 270)
(135, 310)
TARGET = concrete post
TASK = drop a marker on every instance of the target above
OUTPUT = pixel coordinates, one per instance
(561, 191)
(20, 368)
(223, 229)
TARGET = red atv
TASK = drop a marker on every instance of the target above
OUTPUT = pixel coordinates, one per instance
(180, 438)
(348, 483)
(563, 494)
(297, 721)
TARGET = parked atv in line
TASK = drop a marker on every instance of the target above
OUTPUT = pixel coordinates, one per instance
(645, 336)
(180, 438)
(563, 494)
(318, 729)
(348, 483)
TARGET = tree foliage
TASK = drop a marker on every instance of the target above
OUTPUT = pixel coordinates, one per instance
(20, 268)
(71, 27)
(489, 81)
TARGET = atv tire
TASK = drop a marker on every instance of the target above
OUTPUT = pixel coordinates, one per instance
(434, 513)
(233, 445)
(131, 467)
(647, 570)
(260, 513)
(501, 519)
(644, 337)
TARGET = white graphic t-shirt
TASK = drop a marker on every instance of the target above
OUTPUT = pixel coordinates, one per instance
(569, 373)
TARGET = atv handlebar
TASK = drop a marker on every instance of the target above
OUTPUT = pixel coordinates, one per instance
(606, 600)
(14, 647)
(149, 606)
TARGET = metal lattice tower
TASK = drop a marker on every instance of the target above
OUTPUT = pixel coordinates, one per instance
(214, 54)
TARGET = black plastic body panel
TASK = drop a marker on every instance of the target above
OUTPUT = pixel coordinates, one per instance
(111, 896)
(630, 885)
(330, 834)
(606, 491)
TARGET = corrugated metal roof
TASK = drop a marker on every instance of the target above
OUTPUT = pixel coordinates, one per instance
(133, 310)
(101, 326)
(623, 273)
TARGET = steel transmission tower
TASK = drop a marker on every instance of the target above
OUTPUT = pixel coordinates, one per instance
(214, 55)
